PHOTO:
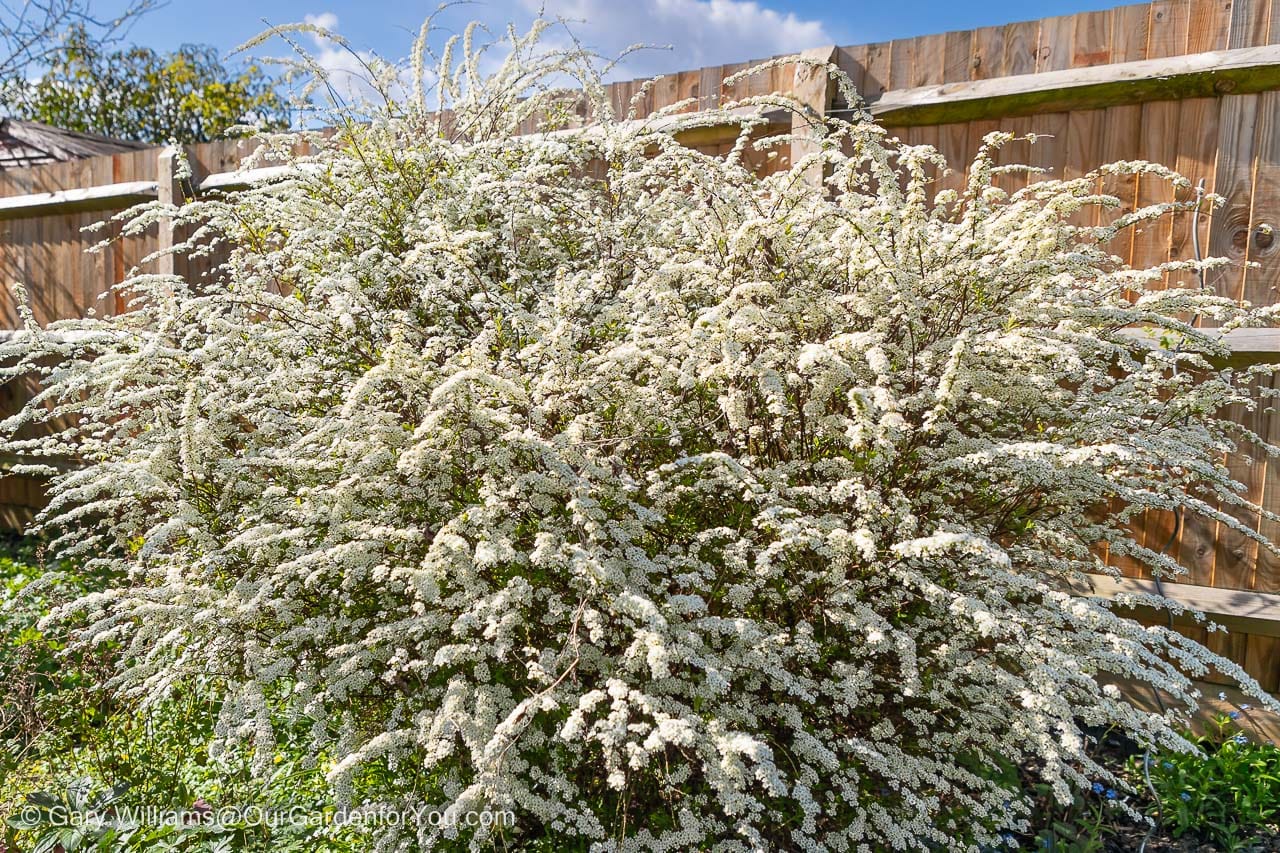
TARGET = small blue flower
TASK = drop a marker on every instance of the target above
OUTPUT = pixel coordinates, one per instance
(1245, 706)
(1167, 765)
(1235, 715)
(1111, 794)
(1186, 798)
(1241, 739)
(1097, 787)
(1222, 697)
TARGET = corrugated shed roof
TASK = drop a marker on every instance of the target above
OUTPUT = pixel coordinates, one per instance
(30, 143)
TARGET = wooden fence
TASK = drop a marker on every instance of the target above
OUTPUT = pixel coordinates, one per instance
(1193, 84)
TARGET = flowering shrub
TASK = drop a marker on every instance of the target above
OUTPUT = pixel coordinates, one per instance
(669, 506)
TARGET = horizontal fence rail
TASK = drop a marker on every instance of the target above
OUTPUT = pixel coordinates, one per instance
(1204, 75)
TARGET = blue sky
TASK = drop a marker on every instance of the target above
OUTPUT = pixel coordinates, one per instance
(700, 32)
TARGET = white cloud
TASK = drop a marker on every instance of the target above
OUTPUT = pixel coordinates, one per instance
(687, 34)
(699, 32)
(346, 68)
(325, 21)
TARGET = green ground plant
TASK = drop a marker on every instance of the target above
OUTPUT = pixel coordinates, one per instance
(1227, 795)
(67, 745)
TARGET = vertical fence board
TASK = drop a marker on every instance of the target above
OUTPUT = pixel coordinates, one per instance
(709, 87)
(1168, 33)
(1262, 654)
(1082, 153)
(1054, 46)
(930, 60)
(1048, 152)
(1197, 146)
(988, 53)
(1208, 25)
(954, 143)
(957, 59)
(902, 63)
(853, 61)
(1158, 143)
(1020, 48)
(1233, 179)
(877, 71)
(1130, 26)
(1091, 39)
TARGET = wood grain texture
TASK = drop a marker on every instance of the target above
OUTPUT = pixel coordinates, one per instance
(852, 61)
(1262, 242)
(1157, 143)
(1237, 610)
(957, 62)
(1167, 35)
(1130, 27)
(1262, 654)
(1021, 45)
(930, 59)
(902, 63)
(709, 87)
(1261, 285)
(687, 83)
(1233, 180)
(1048, 151)
(813, 87)
(955, 144)
(1247, 24)
(1082, 153)
(760, 83)
(1091, 39)
(1238, 71)
(1121, 130)
(1236, 553)
(1197, 143)
(1208, 25)
(1262, 661)
(1272, 27)
(1013, 153)
(1054, 47)
(987, 53)
(876, 73)
(736, 91)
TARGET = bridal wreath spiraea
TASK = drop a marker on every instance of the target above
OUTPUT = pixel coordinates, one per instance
(588, 476)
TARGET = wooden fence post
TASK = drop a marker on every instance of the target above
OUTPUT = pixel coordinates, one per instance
(171, 189)
(813, 87)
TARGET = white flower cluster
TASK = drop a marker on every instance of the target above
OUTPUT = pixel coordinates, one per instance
(667, 505)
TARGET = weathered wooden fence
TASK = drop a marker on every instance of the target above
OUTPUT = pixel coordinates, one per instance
(1193, 84)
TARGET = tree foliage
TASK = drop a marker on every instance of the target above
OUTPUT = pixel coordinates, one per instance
(32, 31)
(668, 505)
(135, 93)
